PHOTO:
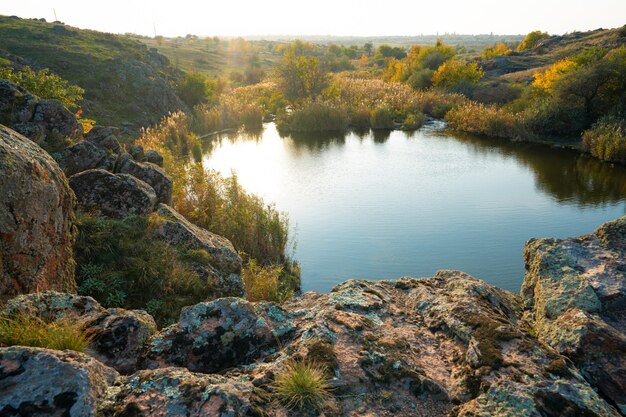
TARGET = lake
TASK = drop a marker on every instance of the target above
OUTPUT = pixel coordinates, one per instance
(391, 204)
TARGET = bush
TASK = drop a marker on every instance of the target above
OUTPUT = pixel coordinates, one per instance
(532, 39)
(23, 330)
(382, 118)
(222, 206)
(302, 385)
(122, 264)
(314, 116)
(499, 49)
(607, 139)
(195, 88)
(45, 84)
(487, 120)
(267, 283)
(457, 76)
(413, 121)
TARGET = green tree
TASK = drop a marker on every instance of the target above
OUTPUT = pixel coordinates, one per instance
(301, 76)
(196, 88)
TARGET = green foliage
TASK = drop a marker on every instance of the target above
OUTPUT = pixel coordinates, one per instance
(301, 76)
(268, 283)
(196, 88)
(45, 84)
(314, 116)
(413, 121)
(24, 330)
(606, 139)
(302, 385)
(419, 65)
(531, 40)
(122, 264)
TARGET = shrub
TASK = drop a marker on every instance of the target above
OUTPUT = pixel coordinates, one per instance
(314, 116)
(122, 264)
(413, 121)
(607, 139)
(222, 206)
(45, 84)
(457, 76)
(531, 40)
(266, 283)
(24, 330)
(302, 385)
(487, 120)
(195, 88)
(382, 118)
(499, 49)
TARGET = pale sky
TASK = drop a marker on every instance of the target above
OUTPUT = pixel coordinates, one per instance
(325, 17)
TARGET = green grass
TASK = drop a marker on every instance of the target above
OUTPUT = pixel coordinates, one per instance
(302, 385)
(122, 264)
(23, 330)
(273, 283)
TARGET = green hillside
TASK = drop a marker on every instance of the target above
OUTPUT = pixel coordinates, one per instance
(126, 83)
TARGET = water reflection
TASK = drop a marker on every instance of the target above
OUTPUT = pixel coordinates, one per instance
(568, 176)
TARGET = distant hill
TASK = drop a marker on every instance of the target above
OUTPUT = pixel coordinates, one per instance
(126, 83)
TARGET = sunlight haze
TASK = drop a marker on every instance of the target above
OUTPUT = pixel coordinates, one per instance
(325, 17)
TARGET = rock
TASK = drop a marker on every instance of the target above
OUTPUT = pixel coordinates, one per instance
(575, 297)
(113, 195)
(42, 382)
(151, 174)
(173, 392)
(137, 152)
(46, 122)
(105, 137)
(36, 219)
(220, 334)
(119, 337)
(224, 264)
(53, 305)
(80, 157)
(446, 345)
(154, 157)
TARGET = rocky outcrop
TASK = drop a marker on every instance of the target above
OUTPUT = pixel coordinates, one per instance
(172, 392)
(36, 219)
(149, 173)
(113, 195)
(42, 382)
(52, 305)
(220, 334)
(154, 157)
(80, 157)
(105, 137)
(224, 263)
(574, 294)
(46, 122)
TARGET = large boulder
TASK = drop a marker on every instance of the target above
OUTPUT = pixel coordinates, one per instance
(154, 157)
(52, 305)
(119, 337)
(220, 334)
(150, 174)
(105, 137)
(46, 122)
(42, 382)
(36, 219)
(225, 263)
(80, 157)
(574, 294)
(173, 392)
(113, 195)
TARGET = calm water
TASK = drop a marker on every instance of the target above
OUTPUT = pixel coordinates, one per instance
(392, 205)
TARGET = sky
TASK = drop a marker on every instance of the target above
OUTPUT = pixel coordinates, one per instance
(325, 17)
